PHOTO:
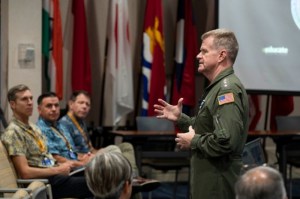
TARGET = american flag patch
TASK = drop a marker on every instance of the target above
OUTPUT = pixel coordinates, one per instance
(226, 98)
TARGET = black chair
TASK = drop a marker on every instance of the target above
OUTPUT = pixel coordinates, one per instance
(2, 118)
(292, 145)
(160, 154)
(156, 124)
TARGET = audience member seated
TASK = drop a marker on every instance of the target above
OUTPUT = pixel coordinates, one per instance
(79, 107)
(59, 142)
(260, 182)
(109, 175)
(28, 150)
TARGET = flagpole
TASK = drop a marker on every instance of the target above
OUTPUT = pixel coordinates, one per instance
(266, 125)
(173, 81)
(138, 93)
(103, 84)
(267, 112)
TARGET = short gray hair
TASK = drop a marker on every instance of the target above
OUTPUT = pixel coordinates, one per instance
(224, 38)
(107, 173)
(260, 182)
(11, 94)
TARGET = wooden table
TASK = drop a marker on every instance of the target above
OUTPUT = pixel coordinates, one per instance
(134, 134)
(272, 134)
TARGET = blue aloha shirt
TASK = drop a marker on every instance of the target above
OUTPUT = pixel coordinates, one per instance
(56, 144)
(79, 141)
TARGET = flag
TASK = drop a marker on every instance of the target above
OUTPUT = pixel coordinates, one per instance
(255, 112)
(119, 60)
(281, 105)
(226, 98)
(185, 53)
(81, 66)
(153, 66)
(52, 45)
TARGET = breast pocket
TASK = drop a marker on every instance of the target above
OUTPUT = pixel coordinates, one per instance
(204, 121)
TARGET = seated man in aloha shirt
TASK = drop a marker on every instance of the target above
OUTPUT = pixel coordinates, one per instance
(59, 142)
(79, 107)
(27, 148)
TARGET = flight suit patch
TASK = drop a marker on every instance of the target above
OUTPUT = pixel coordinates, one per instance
(225, 98)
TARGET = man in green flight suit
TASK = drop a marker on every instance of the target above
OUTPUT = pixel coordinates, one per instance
(217, 134)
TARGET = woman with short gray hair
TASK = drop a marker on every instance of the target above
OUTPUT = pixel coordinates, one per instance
(109, 176)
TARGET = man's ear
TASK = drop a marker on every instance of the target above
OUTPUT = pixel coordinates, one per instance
(39, 109)
(223, 55)
(127, 189)
(12, 104)
(70, 102)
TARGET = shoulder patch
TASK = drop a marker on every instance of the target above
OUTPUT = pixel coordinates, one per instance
(225, 98)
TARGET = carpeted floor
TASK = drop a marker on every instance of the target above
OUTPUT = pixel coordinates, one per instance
(166, 191)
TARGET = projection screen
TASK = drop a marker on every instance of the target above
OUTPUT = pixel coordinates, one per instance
(268, 32)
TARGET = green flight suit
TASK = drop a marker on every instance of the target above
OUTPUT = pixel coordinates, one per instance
(221, 127)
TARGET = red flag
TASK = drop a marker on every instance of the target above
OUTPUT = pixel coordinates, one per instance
(153, 65)
(281, 105)
(81, 67)
(186, 51)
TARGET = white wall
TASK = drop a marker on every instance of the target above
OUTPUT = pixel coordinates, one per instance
(24, 27)
(3, 55)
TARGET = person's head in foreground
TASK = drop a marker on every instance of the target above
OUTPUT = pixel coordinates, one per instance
(260, 183)
(109, 176)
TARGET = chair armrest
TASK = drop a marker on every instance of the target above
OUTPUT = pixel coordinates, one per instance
(36, 184)
(17, 193)
(28, 181)
(12, 190)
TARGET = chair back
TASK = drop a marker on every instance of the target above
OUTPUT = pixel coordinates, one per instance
(7, 172)
(154, 124)
(8, 179)
(3, 121)
(288, 123)
(2, 118)
(159, 152)
(253, 154)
